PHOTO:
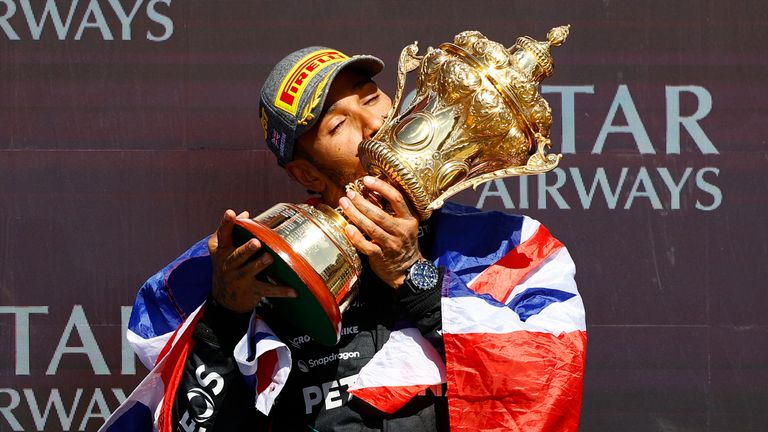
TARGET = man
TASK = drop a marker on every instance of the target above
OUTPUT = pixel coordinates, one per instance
(316, 106)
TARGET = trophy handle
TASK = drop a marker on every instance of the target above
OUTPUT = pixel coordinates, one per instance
(408, 62)
(538, 163)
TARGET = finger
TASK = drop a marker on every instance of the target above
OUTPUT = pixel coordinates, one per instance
(242, 254)
(224, 233)
(269, 290)
(360, 242)
(352, 205)
(256, 266)
(244, 215)
(371, 210)
(391, 194)
(213, 243)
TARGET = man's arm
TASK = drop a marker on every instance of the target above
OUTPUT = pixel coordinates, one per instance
(424, 310)
(392, 247)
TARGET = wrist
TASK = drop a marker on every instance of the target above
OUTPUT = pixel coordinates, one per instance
(228, 301)
(399, 281)
(421, 276)
(214, 305)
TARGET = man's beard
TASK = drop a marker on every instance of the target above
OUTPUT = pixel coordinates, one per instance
(340, 178)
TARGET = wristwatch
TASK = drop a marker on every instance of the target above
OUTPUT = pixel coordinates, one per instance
(421, 276)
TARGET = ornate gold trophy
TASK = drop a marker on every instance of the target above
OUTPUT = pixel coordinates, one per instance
(477, 115)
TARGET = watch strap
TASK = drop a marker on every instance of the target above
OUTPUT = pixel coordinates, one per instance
(417, 303)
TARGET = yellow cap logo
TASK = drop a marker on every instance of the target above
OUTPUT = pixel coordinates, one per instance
(294, 84)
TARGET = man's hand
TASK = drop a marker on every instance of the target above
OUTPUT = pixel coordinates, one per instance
(393, 246)
(234, 272)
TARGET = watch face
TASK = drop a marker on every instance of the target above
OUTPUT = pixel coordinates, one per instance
(423, 275)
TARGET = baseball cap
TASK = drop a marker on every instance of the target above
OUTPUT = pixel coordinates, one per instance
(294, 93)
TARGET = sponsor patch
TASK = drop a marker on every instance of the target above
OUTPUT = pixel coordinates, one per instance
(264, 122)
(298, 341)
(332, 358)
(278, 141)
(296, 81)
(332, 394)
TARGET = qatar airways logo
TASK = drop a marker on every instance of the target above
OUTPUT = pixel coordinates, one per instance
(86, 19)
(667, 177)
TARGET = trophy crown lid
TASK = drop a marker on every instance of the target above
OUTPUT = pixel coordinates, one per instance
(542, 66)
(558, 35)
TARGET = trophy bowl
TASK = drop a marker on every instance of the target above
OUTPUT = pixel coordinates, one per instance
(477, 115)
(310, 254)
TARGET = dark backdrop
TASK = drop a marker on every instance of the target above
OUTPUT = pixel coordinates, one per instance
(122, 141)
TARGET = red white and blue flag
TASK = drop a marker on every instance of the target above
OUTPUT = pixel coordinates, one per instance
(148, 407)
(164, 315)
(513, 326)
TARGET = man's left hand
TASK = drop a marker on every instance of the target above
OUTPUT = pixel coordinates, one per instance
(393, 246)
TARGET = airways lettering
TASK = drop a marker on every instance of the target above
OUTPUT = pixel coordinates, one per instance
(77, 19)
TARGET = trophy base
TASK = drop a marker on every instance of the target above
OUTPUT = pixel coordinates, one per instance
(311, 255)
(314, 310)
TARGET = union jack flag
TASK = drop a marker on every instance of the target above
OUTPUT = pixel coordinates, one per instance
(513, 326)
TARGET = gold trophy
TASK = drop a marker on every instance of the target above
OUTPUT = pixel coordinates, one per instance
(477, 115)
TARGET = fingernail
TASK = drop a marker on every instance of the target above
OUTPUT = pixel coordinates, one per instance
(266, 259)
(344, 203)
(351, 194)
(253, 244)
(293, 294)
(369, 180)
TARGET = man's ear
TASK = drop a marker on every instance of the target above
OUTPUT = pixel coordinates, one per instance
(307, 175)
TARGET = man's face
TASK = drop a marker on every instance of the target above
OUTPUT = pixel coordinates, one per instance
(354, 110)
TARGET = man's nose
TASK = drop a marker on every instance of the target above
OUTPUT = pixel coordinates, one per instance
(372, 122)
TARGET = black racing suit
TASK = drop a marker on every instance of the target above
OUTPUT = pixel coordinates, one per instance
(314, 397)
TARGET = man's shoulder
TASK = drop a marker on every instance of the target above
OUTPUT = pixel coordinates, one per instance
(472, 232)
(183, 284)
(460, 215)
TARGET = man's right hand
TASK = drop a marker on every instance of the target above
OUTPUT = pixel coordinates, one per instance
(234, 272)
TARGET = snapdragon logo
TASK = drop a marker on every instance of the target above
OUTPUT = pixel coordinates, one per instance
(333, 357)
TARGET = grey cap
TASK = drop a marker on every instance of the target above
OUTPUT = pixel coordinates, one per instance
(294, 93)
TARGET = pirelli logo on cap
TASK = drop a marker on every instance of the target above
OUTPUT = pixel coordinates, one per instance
(294, 84)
